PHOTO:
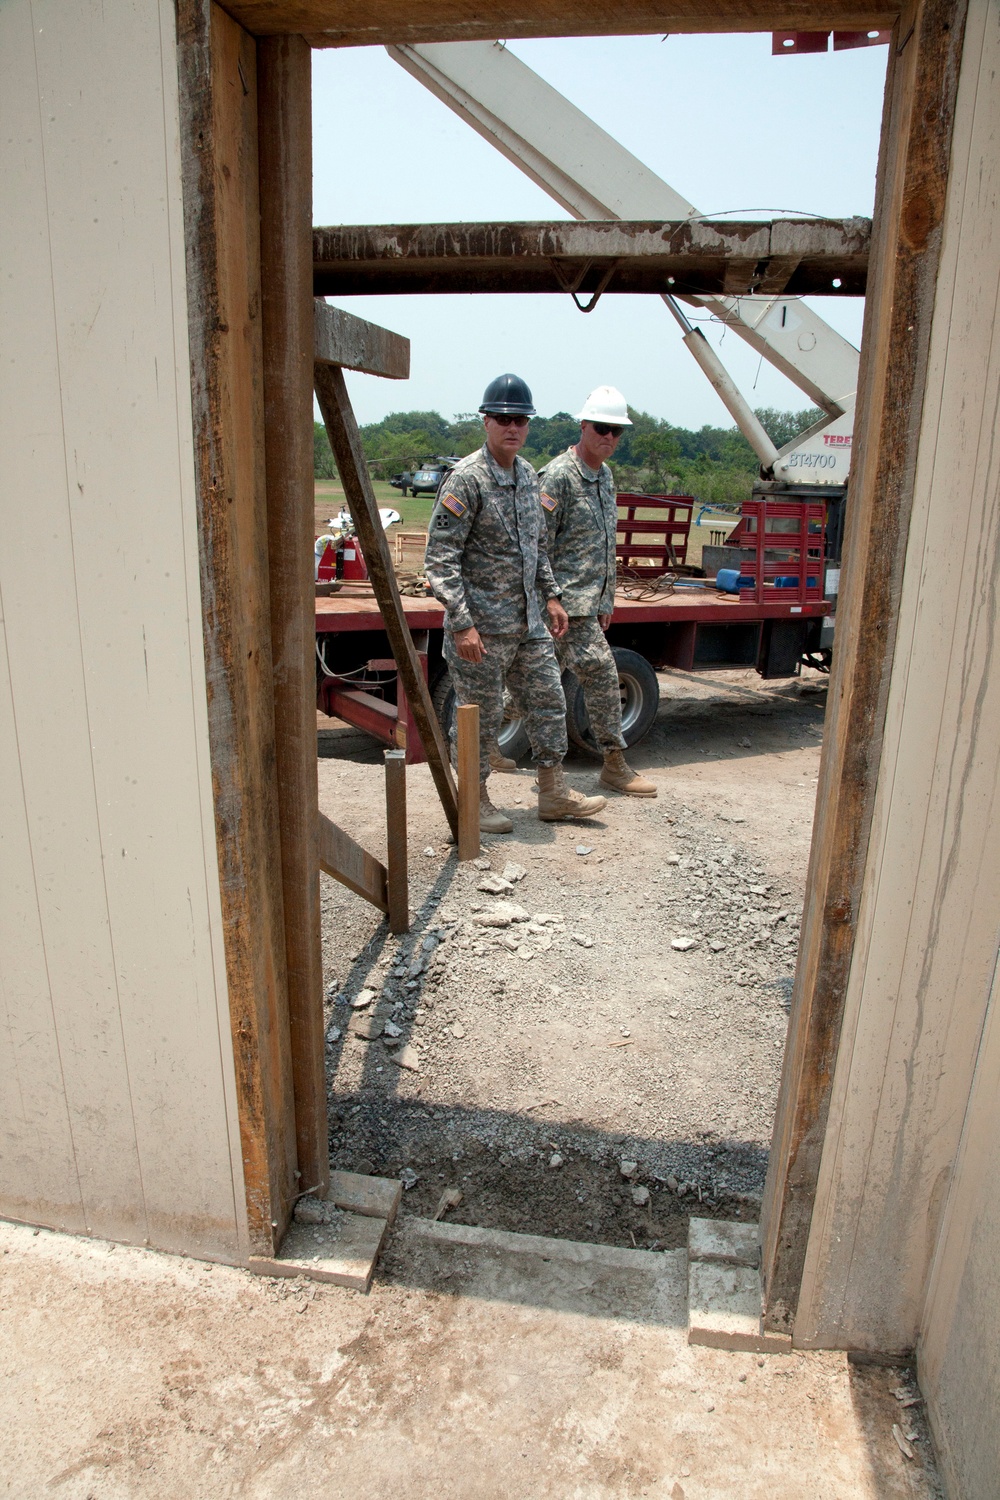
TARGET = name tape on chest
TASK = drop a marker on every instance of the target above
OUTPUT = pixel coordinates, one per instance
(548, 503)
(455, 505)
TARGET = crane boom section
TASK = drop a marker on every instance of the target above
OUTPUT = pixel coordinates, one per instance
(592, 176)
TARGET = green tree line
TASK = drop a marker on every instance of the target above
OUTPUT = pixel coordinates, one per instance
(714, 464)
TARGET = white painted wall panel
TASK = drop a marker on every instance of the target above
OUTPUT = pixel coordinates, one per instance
(930, 915)
(99, 585)
(959, 1348)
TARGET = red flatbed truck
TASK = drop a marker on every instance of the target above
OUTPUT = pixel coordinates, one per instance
(664, 616)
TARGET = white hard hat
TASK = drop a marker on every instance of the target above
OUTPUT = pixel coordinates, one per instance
(605, 404)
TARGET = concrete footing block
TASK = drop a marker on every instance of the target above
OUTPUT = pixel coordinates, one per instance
(345, 1248)
(344, 1251)
(724, 1291)
(724, 1241)
(376, 1197)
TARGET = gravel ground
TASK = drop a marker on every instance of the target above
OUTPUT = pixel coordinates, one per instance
(593, 1051)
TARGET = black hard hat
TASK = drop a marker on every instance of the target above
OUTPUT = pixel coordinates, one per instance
(507, 394)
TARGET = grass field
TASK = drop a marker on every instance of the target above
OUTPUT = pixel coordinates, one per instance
(415, 512)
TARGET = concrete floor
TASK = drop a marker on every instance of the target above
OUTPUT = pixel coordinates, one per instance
(471, 1372)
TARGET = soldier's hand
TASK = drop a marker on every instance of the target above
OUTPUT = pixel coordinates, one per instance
(604, 621)
(469, 644)
(558, 618)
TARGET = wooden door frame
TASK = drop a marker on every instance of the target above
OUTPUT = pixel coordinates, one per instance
(261, 792)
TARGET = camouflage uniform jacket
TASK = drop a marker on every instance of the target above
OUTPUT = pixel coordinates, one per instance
(486, 559)
(581, 511)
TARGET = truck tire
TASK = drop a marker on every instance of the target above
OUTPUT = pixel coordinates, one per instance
(640, 692)
(513, 737)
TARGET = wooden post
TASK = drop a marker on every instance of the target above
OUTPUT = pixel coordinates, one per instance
(398, 884)
(467, 718)
(925, 55)
(285, 167)
(218, 118)
(335, 404)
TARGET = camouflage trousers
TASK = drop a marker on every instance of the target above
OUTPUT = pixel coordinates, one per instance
(584, 650)
(532, 675)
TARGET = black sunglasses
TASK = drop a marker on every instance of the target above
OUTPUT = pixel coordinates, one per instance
(603, 428)
(504, 418)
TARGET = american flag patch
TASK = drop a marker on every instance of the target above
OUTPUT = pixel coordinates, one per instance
(454, 504)
(548, 502)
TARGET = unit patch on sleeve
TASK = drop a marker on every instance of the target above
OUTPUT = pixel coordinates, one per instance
(548, 502)
(454, 504)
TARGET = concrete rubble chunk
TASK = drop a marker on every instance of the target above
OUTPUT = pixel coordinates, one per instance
(363, 998)
(548, 918)
(494, 885)
(628, 1168)
(902, 1442)
(312, 1210)
(640, 1196)
(724, 1241)
(366, 1027)
(501, 914)
(513, 872)
(683, 944)
(582, 939)
(407, 1057)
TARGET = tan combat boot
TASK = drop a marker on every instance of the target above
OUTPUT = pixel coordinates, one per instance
(501, 762)
(556, 800)
(491, 819)
(619, 774)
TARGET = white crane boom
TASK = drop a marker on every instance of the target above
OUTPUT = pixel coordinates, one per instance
(594, 177)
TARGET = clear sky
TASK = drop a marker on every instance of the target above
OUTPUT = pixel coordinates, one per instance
(720, 119)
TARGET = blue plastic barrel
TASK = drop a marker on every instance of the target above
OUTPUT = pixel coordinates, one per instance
(731, 580)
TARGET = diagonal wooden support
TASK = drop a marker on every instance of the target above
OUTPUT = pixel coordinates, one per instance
(335, 404)
(353, 866)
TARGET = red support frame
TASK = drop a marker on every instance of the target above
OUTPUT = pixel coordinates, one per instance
(663, 538)
(788, 543)
(392, 723)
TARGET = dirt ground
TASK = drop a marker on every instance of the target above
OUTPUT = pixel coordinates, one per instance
(601, 1069)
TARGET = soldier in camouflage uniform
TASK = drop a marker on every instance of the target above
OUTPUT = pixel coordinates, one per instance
(486, 562)
(581, 509)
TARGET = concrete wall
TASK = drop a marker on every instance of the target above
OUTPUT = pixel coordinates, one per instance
(116, 1067)
(926, 949)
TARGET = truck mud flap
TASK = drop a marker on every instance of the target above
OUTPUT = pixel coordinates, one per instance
(782, 646)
